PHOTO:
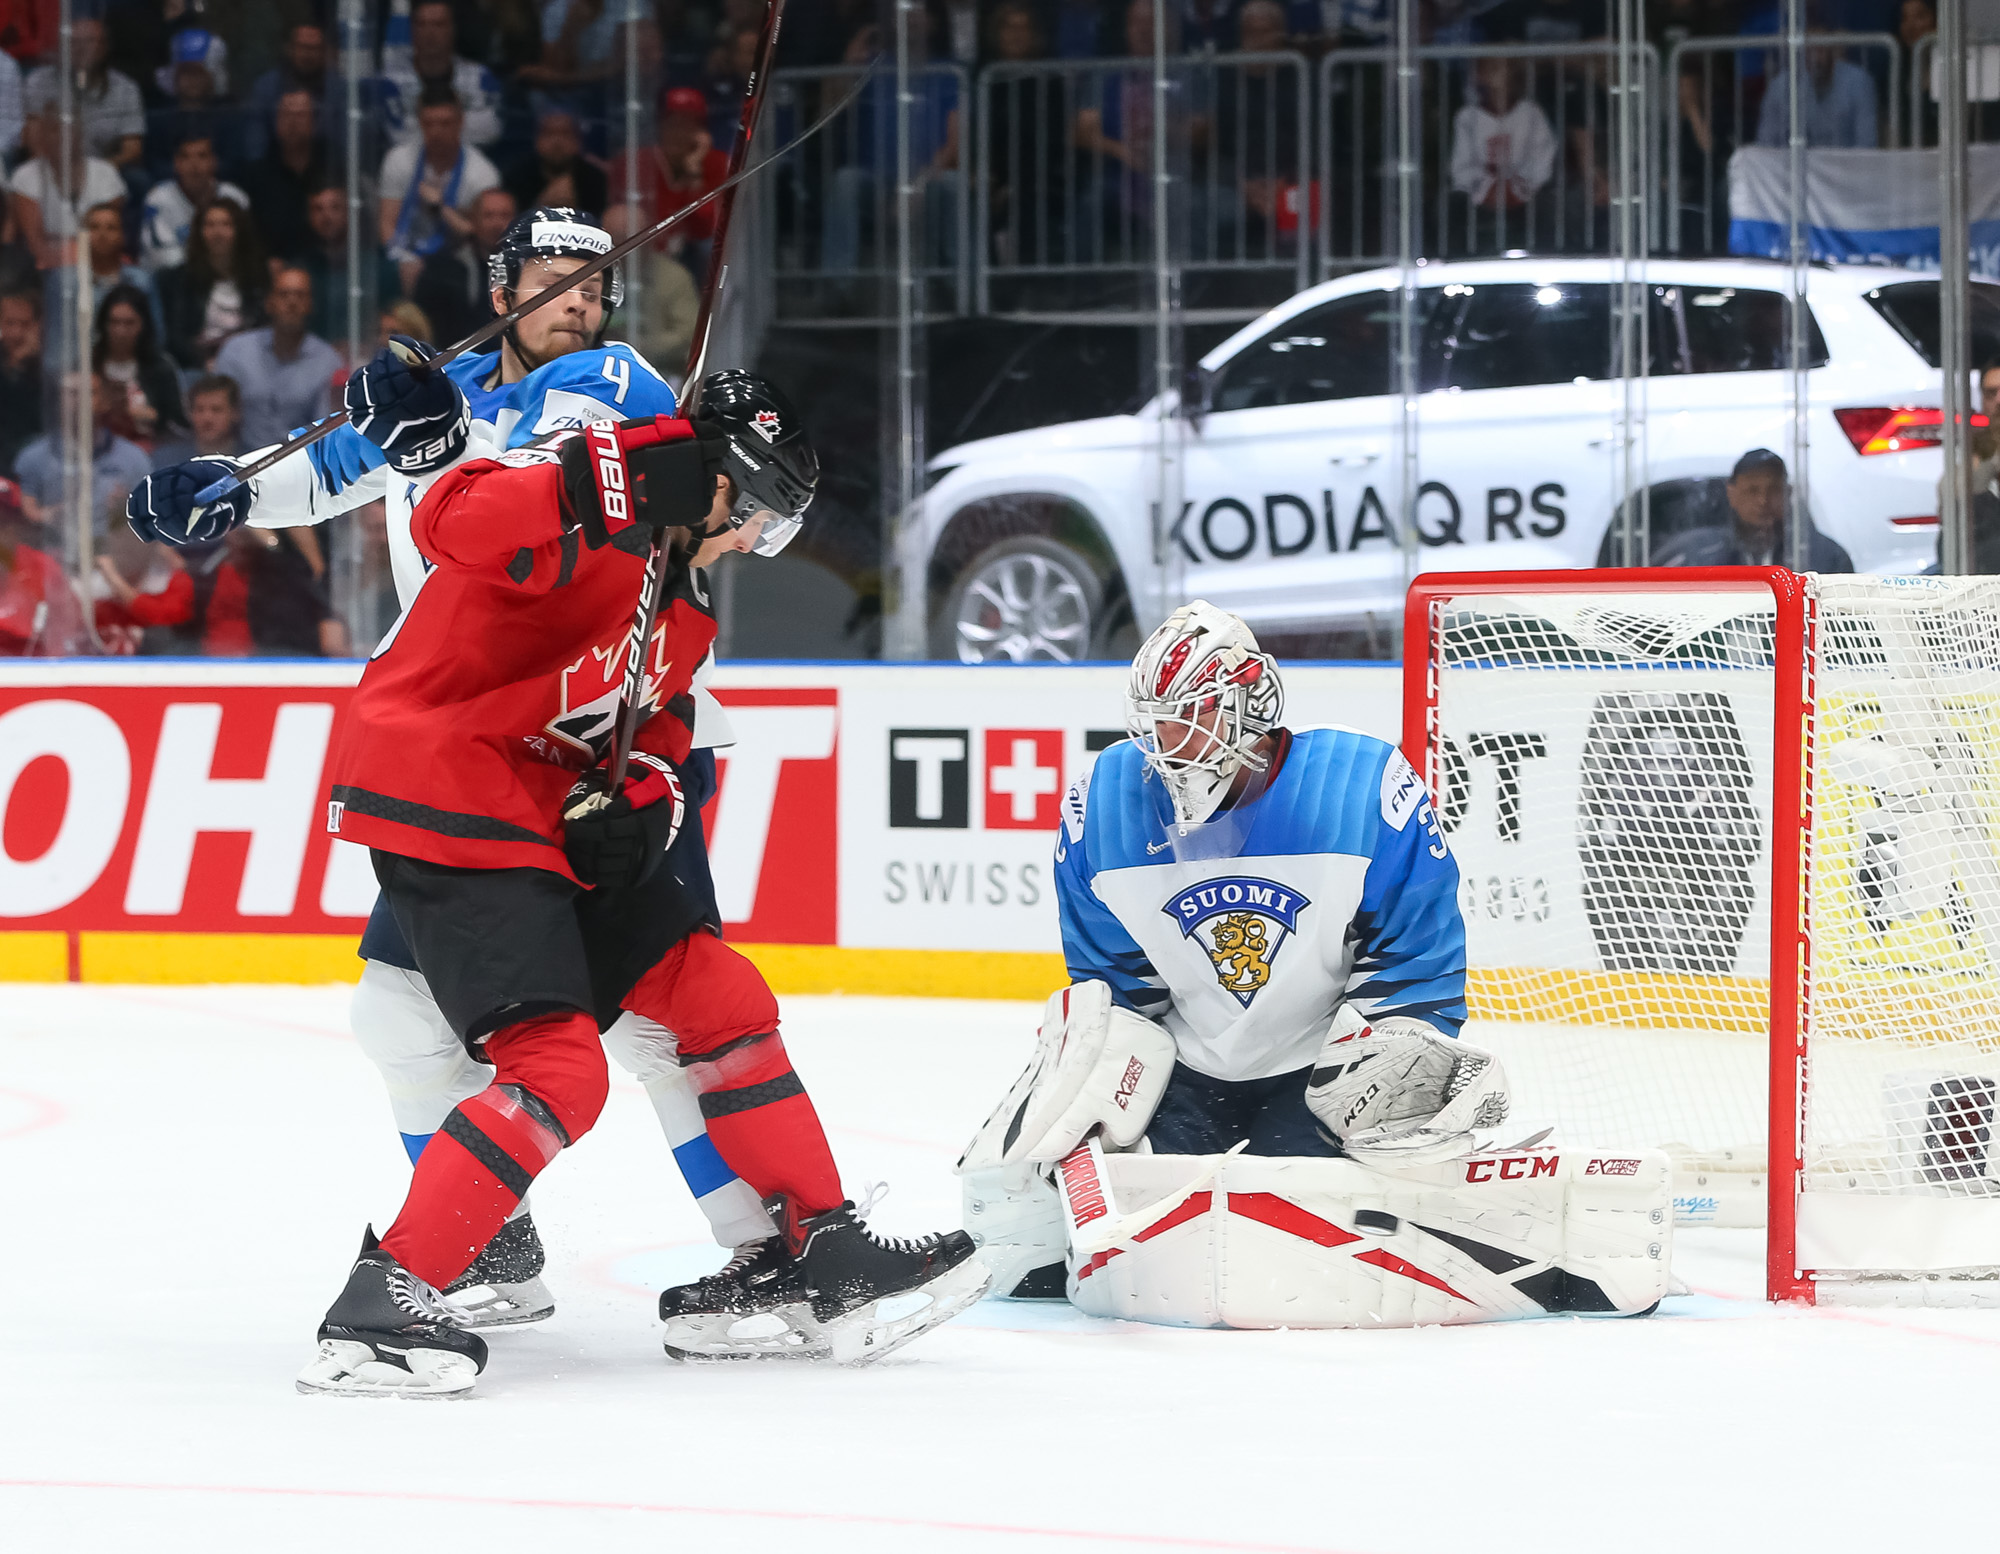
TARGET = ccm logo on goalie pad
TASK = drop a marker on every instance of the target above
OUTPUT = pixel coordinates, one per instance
(1514, 1168)
(1612, 1168)
(610, 471)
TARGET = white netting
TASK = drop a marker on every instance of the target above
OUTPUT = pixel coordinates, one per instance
(1904, 1057)
(1603, 772)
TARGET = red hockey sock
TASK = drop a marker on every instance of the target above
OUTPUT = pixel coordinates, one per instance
(549, 1085)
(762, 1123)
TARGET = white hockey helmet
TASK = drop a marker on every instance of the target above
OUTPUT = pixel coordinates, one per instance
(1200, 698)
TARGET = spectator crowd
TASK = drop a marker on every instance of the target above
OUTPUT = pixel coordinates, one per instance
(207, 184)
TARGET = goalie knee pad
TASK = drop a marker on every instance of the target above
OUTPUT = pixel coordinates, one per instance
(1096, 1066)
(1399, 1090)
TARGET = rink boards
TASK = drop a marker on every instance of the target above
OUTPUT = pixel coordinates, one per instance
(878, 828)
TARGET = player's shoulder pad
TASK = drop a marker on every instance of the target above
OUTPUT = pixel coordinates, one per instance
(1345, 789)
(1074, 805)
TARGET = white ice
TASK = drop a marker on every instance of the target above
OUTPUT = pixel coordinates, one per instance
(184, 1174)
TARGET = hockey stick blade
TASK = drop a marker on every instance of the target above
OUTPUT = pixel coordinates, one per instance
(326, 425)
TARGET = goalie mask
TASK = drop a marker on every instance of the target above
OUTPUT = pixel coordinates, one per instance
(1200, 697)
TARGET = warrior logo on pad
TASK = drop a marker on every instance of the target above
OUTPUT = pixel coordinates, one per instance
(1241, 922)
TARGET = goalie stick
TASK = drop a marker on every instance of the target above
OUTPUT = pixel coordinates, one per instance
(633, 694)
(326, 425)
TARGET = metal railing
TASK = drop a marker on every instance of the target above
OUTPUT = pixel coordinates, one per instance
(1982, 91)
(831, 248)
(1065, 192)
(1724, 110)
(1553, 193)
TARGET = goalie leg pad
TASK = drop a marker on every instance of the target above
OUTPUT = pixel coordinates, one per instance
(1096, 1066)
(1015, 1216)
(1334, 1243)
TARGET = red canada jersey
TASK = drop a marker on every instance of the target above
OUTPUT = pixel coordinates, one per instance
(501, 681)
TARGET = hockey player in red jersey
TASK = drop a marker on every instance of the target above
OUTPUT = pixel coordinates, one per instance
(469, 765)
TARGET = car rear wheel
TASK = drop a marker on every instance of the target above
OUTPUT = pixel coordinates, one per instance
(1025, 600)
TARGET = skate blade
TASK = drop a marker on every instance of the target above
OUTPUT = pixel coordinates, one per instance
(501, 1305)
(785, 1333)
(866, 1334)
(346, 1368)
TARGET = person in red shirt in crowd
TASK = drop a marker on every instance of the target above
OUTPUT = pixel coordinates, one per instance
(138, 587)
(683, 167)
(39, 617)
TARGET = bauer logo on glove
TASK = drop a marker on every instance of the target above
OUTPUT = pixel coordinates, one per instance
(623, 482)
(616, 841)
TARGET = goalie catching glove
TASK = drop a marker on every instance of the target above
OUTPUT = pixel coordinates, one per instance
(1400, 1092)
(616, 841)
(1097, 1068)
(623, 481)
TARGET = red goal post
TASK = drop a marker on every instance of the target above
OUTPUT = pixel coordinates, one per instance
(1732, 885)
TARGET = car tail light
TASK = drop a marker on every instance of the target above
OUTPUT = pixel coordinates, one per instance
(1894, 428)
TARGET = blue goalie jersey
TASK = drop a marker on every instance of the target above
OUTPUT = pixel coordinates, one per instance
(1339, 888)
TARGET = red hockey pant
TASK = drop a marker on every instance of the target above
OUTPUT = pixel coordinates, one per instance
(724, 1019)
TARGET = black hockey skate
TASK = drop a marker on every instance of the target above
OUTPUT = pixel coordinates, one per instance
(755, 1307)
(503, 1287)
(389, 1334)
(872, 1294)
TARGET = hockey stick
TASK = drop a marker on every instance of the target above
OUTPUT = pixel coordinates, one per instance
(326, 425)
(632, 695)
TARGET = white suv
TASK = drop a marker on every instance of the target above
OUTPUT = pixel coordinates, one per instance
(1042, 542)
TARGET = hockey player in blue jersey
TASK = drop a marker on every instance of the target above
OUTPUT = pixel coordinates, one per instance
(1263, 937)
(407, 428)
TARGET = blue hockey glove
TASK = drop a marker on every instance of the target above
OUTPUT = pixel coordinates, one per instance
(414, 414)
(162, 506)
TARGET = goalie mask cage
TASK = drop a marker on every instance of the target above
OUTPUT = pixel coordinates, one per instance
(1727, 839)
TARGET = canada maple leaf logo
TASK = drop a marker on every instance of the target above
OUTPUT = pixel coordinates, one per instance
(765, 424)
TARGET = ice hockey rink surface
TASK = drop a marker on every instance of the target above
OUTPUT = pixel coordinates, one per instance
(185, 1173)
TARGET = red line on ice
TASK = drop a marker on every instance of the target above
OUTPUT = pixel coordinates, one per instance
(1151, 1540)
(46, 1114)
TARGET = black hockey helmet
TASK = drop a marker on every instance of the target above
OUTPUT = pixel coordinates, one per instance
(768, 456)
(548, 232)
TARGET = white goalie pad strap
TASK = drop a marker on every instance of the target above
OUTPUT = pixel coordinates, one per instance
(1399, 1091)
(1333, 1243)
(1096, 1066)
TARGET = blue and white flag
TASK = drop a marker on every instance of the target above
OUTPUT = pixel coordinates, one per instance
(1862, 207)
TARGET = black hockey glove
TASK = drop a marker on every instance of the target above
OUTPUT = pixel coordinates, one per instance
(162, 506)
(650, 473)
(616, 841)
(413, 413)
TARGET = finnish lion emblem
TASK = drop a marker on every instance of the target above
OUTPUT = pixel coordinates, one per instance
(1241, 923)
(1241, 950)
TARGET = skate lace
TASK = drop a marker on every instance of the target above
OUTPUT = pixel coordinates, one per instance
(873, 1193)
(419, 1299)
(740, 1259)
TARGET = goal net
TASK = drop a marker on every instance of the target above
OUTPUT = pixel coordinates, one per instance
(1730, 884)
